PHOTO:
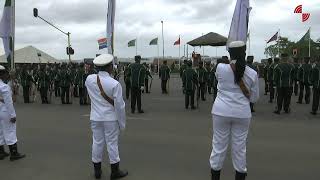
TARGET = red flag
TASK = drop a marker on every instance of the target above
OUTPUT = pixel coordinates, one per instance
(177, 42)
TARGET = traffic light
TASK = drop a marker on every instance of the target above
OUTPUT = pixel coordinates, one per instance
(70, 51)
(35, 12)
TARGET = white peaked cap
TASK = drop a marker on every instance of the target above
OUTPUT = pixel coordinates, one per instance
(103, 59)
(236, 44)
(2, 68)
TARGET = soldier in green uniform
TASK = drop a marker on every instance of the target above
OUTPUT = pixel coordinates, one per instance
(270, 78)
(190, 80)
(64, 82)
(304, 81)
(146, 78)
(80, 79)
(295, 78)
(265, 76)
(209, 80)
(56, 72)
(183, 67)
(43, 83)
(127, 80)
(315, 79)
(164, 75)
(136, 74)
(255, 68)
(26, 80)
(202, 79)
(283, 79)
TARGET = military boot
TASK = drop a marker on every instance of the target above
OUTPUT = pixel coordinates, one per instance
(240, 176)
(215, 175)
(3, 154)
(97, 170)
(14, 154)
(116, 173)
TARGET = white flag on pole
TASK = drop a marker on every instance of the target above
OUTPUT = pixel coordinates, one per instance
(6, 29)
(240, 22)
(110, 25)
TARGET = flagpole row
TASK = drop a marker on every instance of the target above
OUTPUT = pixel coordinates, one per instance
(13, 33)
(310, 42)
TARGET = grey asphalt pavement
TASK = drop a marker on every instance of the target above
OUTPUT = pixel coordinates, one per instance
(166, 143)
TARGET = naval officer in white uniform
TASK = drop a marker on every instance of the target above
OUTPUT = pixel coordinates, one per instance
(238, 86)
(107, 115)
(8, 120)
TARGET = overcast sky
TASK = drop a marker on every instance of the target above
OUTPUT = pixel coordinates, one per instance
(86, 20)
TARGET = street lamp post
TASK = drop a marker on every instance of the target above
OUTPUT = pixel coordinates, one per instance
(70, 51)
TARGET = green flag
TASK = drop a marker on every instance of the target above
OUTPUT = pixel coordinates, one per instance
(154, 42)
(132, 43)
(306, 37)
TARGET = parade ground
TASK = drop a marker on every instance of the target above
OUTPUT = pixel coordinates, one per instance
(168, 142)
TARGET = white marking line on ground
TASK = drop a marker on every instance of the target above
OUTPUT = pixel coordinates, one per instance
(128, 117)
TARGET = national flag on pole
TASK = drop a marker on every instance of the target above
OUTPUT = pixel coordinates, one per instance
(274, 37)
(102, 43)
(7, 29)
(154, 41)
(110, 25)
(306, 37)
(240, 22)
(132, 43)
(177, 42)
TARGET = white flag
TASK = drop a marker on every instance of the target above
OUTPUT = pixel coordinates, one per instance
(6, 29)
(110, 25)
(240, 22)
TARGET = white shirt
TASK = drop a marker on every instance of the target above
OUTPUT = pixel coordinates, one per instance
(230, 101)
(101, 109)
(6, 95)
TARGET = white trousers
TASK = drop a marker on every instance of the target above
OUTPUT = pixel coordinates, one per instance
(8, 131)
(105, 133)
(224, 130)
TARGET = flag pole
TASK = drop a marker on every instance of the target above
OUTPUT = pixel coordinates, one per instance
(279, 44)
(136, 46)
(179, 52)
(158, 57)
(266, 48)
(162, 41)
(310, 42)
(13, 33)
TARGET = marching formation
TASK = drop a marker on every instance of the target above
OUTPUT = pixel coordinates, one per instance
(284, 77)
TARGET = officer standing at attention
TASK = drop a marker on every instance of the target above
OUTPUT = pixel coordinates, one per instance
(80, 80)
(26, 80)
(238, 86)
(283, 79)
(250, 64)
(209, 78)
(304, 81)
(202, 79)
(189, 79)
(127, 80)
(182, 69)
(270, 78)
(164, 75)
(65, 81)
(8, 135)
(44, 83)
(136, 74)
(108, 115)
(315, 78)
(295, 78)
(265, 76)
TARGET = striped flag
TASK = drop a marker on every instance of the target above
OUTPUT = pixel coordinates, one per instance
(7, 29)
(274, 37)
(177, 42)
(240, 22)
(102, 43)
(110, 25)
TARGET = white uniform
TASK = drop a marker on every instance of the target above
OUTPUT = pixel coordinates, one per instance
(231, 115)
(7, 129)
(106, 120)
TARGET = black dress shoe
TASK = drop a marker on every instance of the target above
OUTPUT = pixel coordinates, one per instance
(3, 154)
(276, 112)
(313, 113)
(14, 154)
(240, 176)
(141, 112)
(215, 175)
(299, 102)
(97, 170)
(116, 173)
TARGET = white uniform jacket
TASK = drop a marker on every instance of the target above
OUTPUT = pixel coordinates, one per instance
(6, 105)
(101, 109)
(230, 101)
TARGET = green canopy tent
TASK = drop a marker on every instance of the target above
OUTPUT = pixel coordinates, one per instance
(210, 39)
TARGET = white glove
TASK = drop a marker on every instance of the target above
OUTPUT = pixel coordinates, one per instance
(142, 88)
